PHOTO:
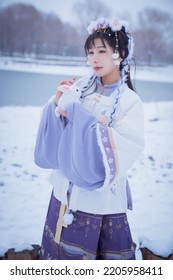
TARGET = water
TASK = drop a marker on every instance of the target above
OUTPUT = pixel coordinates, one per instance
(23, 89)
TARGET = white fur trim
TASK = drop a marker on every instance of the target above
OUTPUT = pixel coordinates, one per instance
(51, 99)
(56, 112)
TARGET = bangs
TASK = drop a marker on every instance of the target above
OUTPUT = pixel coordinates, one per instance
(90, 42)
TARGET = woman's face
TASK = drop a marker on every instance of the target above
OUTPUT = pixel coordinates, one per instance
(101, 60)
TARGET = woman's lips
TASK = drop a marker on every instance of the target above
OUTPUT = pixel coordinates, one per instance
(97, 68)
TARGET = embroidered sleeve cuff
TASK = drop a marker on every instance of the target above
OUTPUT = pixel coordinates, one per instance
(107, 147)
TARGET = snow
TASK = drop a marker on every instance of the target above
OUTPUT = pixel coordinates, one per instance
(151, 177)
(163, 248)
(23, 246)
(35, 66)
(25, 191)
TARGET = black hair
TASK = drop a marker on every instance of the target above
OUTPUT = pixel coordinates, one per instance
(108, 35)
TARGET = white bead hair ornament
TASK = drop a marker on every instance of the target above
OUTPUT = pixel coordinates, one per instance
(117, 62)
(115, 55)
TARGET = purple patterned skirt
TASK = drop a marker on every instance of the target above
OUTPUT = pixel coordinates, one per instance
(89, 237)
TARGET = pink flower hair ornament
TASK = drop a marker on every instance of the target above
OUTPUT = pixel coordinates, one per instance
(102, 23)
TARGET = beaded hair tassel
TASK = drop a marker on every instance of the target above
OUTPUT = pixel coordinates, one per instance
(116, 54)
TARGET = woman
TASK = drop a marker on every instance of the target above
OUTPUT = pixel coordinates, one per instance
(91, 144)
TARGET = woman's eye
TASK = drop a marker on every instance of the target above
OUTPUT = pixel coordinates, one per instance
(90, 52)
(102, 51)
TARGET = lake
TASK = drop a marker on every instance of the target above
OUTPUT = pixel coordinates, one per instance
(34, 89)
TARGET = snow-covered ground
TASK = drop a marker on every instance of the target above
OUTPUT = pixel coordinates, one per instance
(25, 192)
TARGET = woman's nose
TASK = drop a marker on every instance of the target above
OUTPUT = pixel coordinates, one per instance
(95, 58)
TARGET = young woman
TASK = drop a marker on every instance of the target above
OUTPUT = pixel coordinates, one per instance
(90, 145)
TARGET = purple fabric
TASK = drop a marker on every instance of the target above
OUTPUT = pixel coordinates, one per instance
(88, 237)
(109, 151)
(71, 147)
(79, 155)
(48, 137)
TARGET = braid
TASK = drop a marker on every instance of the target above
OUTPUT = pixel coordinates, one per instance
(115, 107)
(113, 113)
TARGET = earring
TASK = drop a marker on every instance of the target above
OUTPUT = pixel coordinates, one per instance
(115, 57)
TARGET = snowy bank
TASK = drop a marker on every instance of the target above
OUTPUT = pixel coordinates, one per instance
(162, 74)
(163, 248)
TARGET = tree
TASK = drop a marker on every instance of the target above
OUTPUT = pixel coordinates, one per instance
(53, 35)
(88, 10)
(26, 30)
(19, 29)
(72, 42)
(154, 35)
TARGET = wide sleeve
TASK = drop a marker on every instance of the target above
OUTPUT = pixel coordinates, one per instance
(79, 155)
(49, 133)
(94, 156)
(122, 144)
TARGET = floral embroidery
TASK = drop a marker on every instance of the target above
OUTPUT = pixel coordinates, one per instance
(104, 139)
(110, 160)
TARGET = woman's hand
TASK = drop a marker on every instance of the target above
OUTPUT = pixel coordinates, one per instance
(59, 93)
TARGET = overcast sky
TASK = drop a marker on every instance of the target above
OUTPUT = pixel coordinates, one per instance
(63, 8)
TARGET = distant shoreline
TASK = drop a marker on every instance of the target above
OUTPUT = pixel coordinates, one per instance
(145, 73)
